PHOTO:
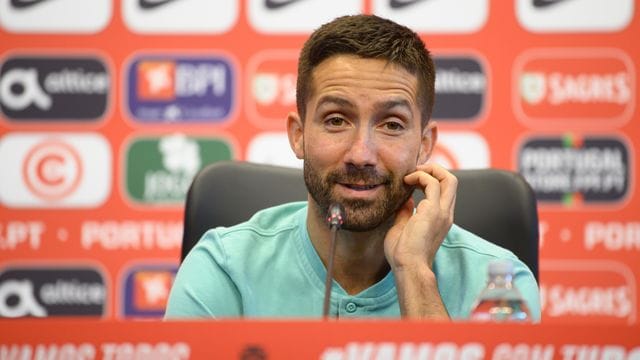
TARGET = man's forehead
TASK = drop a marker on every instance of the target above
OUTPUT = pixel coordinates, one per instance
(351, 60)
(338, 67)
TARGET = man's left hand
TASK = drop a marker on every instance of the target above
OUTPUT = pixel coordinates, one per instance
(414, 238)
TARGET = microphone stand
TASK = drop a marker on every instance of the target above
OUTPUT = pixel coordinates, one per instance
(329, 277)
(335, 219)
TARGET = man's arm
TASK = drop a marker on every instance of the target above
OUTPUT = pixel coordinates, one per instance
(411, 244)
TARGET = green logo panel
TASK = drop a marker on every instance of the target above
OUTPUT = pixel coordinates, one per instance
(159, 170)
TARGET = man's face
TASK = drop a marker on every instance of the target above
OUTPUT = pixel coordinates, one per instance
(361, 136)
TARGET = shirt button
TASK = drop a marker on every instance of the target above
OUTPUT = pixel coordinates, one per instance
(351, 307)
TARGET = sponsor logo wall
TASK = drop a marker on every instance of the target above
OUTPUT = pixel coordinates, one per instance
(108, 108)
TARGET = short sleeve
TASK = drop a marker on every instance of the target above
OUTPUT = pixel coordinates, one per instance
(203, 287)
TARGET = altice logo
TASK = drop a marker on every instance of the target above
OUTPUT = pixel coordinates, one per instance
(52, 291)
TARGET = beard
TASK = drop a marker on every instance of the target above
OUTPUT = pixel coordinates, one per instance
(361, 214)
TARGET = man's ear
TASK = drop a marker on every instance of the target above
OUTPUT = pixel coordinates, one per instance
(429, 138)
(295, 131)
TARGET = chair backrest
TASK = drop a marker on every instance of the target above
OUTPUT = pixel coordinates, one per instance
(497, 205)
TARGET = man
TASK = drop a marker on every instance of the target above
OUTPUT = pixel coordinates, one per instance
(364, 99)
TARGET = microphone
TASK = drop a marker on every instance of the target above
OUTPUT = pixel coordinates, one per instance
(335, 219)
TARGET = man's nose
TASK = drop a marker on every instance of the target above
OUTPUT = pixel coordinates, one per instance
(362, 148)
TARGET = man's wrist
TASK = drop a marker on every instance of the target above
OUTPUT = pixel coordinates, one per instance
(415, 266)
(416, 277)
(418, 293)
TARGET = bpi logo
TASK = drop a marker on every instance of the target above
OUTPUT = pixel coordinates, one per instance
(545, 16)
(54, 88)
(588, 291)
(435, 16)
(461, 88)
(179, 16)
(576, 87)
(272, 87)
(146, 290)
(52, 291)
(59, 16)
(461, 150)
(297, 16)
(172, 89)
(593, 170)
(160, 170)
(52, 170)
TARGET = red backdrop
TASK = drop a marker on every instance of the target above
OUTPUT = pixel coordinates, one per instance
(109, 107)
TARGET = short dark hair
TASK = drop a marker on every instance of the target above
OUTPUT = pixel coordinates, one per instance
(368, 36)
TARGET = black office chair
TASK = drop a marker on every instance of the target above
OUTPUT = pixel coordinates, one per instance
(497, 205)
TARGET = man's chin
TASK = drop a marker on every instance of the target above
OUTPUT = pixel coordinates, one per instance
(362, 215)
(366, 215)
(359, 228)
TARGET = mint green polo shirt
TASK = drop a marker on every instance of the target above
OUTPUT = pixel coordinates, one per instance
(267, 267)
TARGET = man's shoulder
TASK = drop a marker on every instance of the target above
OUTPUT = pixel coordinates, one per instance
(469, 250)
(270, 220)
(461, 240)
(269, 223)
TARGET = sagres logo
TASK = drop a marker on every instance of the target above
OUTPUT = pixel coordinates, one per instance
(159, 170)
(296, 16)
(574, 15)
(435, 16)
(180, 16)
(52, 291)
(271, 87)
(55, 16)
(172, 89)
(54, 170)
(461, 150)
(577, 87)
(54, 88)
(272, 148)
(571, 170)
(146, 289)
(461, 88)
(587, 291)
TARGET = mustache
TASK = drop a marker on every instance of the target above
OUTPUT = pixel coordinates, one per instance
(352, 174)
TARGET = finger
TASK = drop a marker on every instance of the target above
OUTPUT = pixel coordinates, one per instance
(429, 184)
(404, 213)
(436, 170)
(449, 185)
(448, 182)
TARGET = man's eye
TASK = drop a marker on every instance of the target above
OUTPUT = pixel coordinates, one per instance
(394, 126)
(335, 121)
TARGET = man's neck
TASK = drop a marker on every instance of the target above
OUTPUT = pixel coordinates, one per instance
(359, 260)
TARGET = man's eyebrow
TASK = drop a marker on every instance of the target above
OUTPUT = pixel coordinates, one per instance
(390, 104)
(330, 99)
